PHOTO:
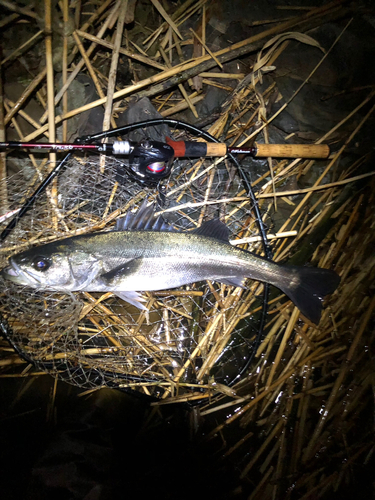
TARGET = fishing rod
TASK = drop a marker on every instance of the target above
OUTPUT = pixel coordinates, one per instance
(153, 159)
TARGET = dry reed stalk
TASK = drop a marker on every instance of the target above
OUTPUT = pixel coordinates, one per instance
(201, 344)
(271, 436)
(8, 20)
(92, 19)
(180, 86)
(22, 48)
(89, 307)
(228, 76)
(155, 34)
(162, 102)
(133, 55)
(113, 69)
(38, 169)
(338, 383)
(19, 10)
(265, 480)
(256, 132)
(25, 95)
(10, 104)
(4, 207)
(183, 68)
(259, 397)
(183, 105)
(237, 310)
(314, 188)
(113, 340)
(179, 21)
(282, 251)
(23, 375)
(12, 360)
(147, 346)
(348, 227)
(112, 16)
(88, 66)
(329, 166)
(65, 10)
(204, 21)
(180, 54)
(206, 48)
(50, 97)
(166, 17)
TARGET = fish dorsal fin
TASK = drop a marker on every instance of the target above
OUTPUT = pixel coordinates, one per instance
(143, 220)
(213, 228)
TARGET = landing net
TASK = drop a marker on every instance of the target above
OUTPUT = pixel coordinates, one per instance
(190, 337)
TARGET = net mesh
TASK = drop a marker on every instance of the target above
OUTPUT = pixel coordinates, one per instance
(187, 336)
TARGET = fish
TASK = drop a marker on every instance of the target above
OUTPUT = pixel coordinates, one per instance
(146, 253)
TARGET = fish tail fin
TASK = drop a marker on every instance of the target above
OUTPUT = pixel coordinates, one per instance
(308, 287)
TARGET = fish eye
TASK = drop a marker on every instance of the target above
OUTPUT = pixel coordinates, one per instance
(41, 263)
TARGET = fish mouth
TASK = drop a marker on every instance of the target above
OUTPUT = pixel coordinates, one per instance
(14, 273)
(9, 271)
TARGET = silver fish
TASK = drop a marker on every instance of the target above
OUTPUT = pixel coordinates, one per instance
(151, 257)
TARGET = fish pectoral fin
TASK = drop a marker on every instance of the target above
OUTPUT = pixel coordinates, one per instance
(133, 298)
(233, 281)
(111, 277)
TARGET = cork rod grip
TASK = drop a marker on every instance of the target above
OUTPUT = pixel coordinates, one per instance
(216, 149)
(292, 150)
